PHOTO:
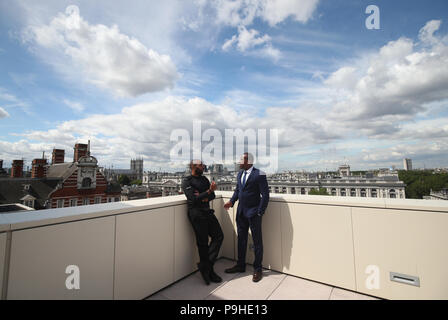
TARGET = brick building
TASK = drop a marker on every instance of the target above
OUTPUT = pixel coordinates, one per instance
(61, 184)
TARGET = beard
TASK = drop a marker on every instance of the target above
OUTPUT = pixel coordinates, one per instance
(199, 172)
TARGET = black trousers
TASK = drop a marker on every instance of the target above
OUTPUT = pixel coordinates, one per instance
(205, 224)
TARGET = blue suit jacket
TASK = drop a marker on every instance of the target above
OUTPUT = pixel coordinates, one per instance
(250, 203)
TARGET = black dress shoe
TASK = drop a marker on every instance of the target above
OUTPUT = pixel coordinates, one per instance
(205, 273)
(214, 277)
(205, 276)
(235, 269)
(257, 276)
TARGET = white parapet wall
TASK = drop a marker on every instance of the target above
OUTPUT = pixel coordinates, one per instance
(355, 243)
(129, 250)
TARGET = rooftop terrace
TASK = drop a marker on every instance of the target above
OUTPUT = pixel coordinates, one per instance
(314, 247)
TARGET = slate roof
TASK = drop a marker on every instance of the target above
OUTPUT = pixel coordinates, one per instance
(61, 170)
(12, 190)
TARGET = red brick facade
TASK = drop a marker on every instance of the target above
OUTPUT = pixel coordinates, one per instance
(70, 191)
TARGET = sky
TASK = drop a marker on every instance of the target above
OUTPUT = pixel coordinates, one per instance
(127, 74)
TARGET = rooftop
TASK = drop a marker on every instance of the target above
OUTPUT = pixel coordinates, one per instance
(273, 286)
(314, 247)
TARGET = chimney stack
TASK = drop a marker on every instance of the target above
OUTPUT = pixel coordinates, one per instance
(80, 151)
(58, 156)
(39, 168)
(17, 169)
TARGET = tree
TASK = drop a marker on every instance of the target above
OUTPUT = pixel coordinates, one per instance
(320, 192)
(137, 182)
(419, 183)
(124, 180)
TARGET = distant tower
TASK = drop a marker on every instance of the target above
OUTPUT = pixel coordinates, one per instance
(344, 170)
(137, 166)
(407, 164)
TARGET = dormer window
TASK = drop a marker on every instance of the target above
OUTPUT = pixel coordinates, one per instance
(86, 183)
(26, 187)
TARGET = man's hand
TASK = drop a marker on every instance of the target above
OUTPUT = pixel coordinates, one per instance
(213, 186)
(196, 193)
(227, 205)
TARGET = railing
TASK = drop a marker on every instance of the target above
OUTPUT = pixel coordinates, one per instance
(390, 248)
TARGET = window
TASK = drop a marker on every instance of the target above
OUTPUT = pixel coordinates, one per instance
(60, 203)
(29, 203)
(374, 193)
(97, 200)
(86, 183)
(333, 191)
(343, 192)
(73, 202)
(392, 193)
(352, 192)
(302, 191)
(85, 201)
(363, 193)
(293, 190)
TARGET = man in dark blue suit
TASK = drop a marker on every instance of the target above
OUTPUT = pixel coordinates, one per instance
(251, 183)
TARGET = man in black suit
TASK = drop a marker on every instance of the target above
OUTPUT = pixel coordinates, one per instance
(251, 183)
(199, 193)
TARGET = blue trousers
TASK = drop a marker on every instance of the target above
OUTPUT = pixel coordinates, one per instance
(243, 224)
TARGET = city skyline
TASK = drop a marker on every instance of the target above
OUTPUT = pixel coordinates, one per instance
(125, 77)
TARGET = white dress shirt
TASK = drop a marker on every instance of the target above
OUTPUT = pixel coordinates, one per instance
(248, 171)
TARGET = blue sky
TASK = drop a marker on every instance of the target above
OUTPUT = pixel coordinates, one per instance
(128, 74)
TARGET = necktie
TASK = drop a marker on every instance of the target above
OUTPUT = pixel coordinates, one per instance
(244, 178)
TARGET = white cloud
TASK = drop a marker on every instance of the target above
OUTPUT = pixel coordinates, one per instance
(276, 11)
(393, 85)
(75, 106)
(246, 39)
(251, 42)
(344, 78)
(3, 113)
(105, 56)
(145, 129)
(244, 12)
(426, 34)
(11, 100)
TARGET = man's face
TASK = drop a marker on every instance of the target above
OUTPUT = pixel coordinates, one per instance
(197, 168)
(244, 162)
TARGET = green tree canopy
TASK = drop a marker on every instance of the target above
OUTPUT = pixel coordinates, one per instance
(124, 180)
(420, 182)
(320, 192)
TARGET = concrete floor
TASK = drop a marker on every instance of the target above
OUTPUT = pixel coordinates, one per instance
(273, 286)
